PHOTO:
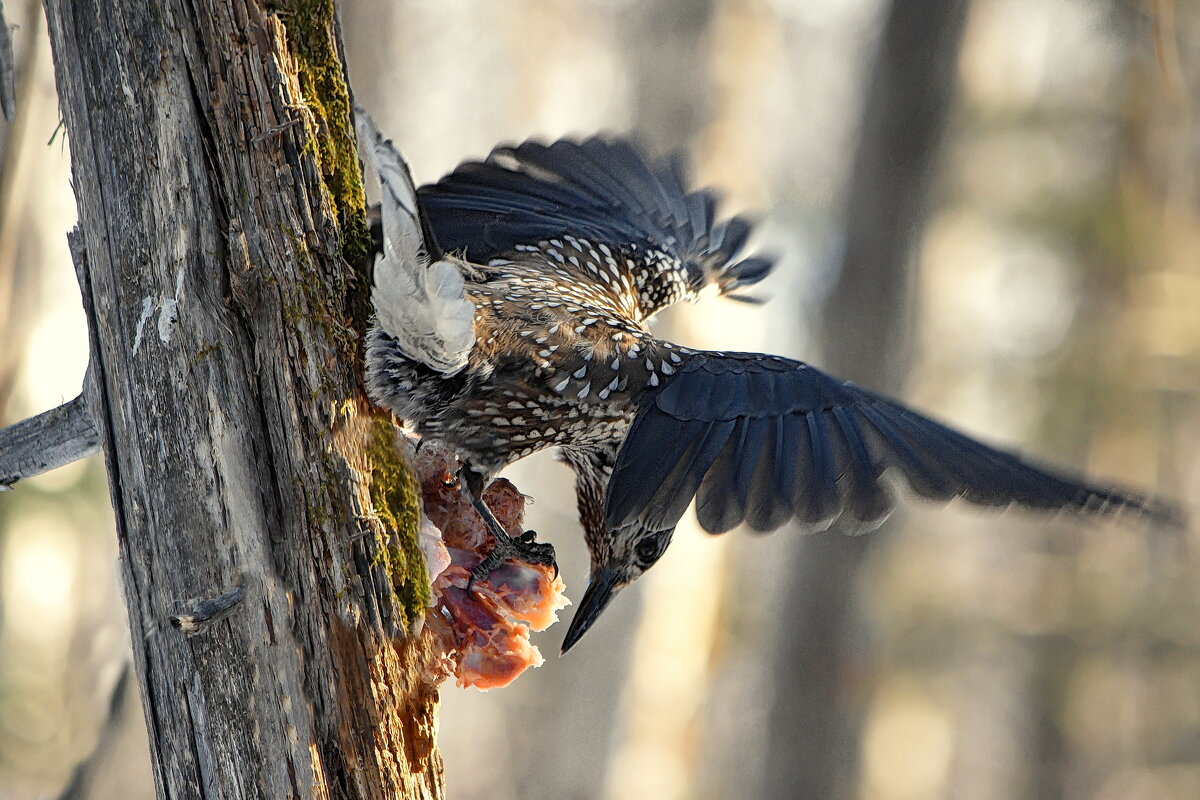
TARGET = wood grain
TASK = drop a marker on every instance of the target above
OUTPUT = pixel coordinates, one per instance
(217, 217)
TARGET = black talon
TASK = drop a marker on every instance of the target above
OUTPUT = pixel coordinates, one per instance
(490, 564)
(522, 548)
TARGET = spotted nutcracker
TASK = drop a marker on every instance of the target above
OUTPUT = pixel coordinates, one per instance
(513, 302)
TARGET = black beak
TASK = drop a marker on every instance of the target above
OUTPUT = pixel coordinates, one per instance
(601, 589)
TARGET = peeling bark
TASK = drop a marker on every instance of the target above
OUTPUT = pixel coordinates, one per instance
(222, 223)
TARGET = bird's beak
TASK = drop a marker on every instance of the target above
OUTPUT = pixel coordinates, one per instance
(601, 589)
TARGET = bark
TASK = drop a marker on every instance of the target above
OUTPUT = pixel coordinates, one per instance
(221, 209)
(50, 440)
(816, 719)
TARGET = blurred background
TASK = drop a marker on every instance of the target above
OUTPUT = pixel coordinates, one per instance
(990, 208)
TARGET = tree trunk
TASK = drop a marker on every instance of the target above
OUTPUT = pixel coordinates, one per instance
(222, 234)
(816, 719)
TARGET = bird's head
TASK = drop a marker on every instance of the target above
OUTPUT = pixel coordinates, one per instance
(618, 559)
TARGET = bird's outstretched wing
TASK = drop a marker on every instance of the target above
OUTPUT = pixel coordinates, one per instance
(761, 439)
(600, 190)
(422, 305)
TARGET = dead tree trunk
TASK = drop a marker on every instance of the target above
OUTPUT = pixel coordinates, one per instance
(221, 229)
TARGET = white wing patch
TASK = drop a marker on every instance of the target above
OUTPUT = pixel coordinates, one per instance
(422, 306)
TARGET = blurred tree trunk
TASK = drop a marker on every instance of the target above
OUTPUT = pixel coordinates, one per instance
(815, 722)
(18, 287)
(672, 87)
(222, 226)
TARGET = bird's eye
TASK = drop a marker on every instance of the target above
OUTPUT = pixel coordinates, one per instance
(651, 548)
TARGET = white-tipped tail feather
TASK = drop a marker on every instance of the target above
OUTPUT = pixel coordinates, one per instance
(421, 305)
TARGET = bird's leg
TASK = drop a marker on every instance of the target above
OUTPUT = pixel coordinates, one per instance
(524, 548)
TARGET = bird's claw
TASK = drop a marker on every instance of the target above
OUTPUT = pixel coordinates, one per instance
(524, 548)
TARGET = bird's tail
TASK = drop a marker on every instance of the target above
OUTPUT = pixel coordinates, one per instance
(422, 305)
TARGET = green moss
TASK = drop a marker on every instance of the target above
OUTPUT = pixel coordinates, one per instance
(395, 494)
(313, 44)
(339, 304)
(309, 301)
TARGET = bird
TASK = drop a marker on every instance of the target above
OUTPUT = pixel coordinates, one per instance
(513, 305)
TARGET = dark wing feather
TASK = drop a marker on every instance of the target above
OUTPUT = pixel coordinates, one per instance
(869, 501)
(664, 449)
(821, 508)
(726, 490)
(770, 503)
(675, 492)
(600, 189)
(762, 439)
